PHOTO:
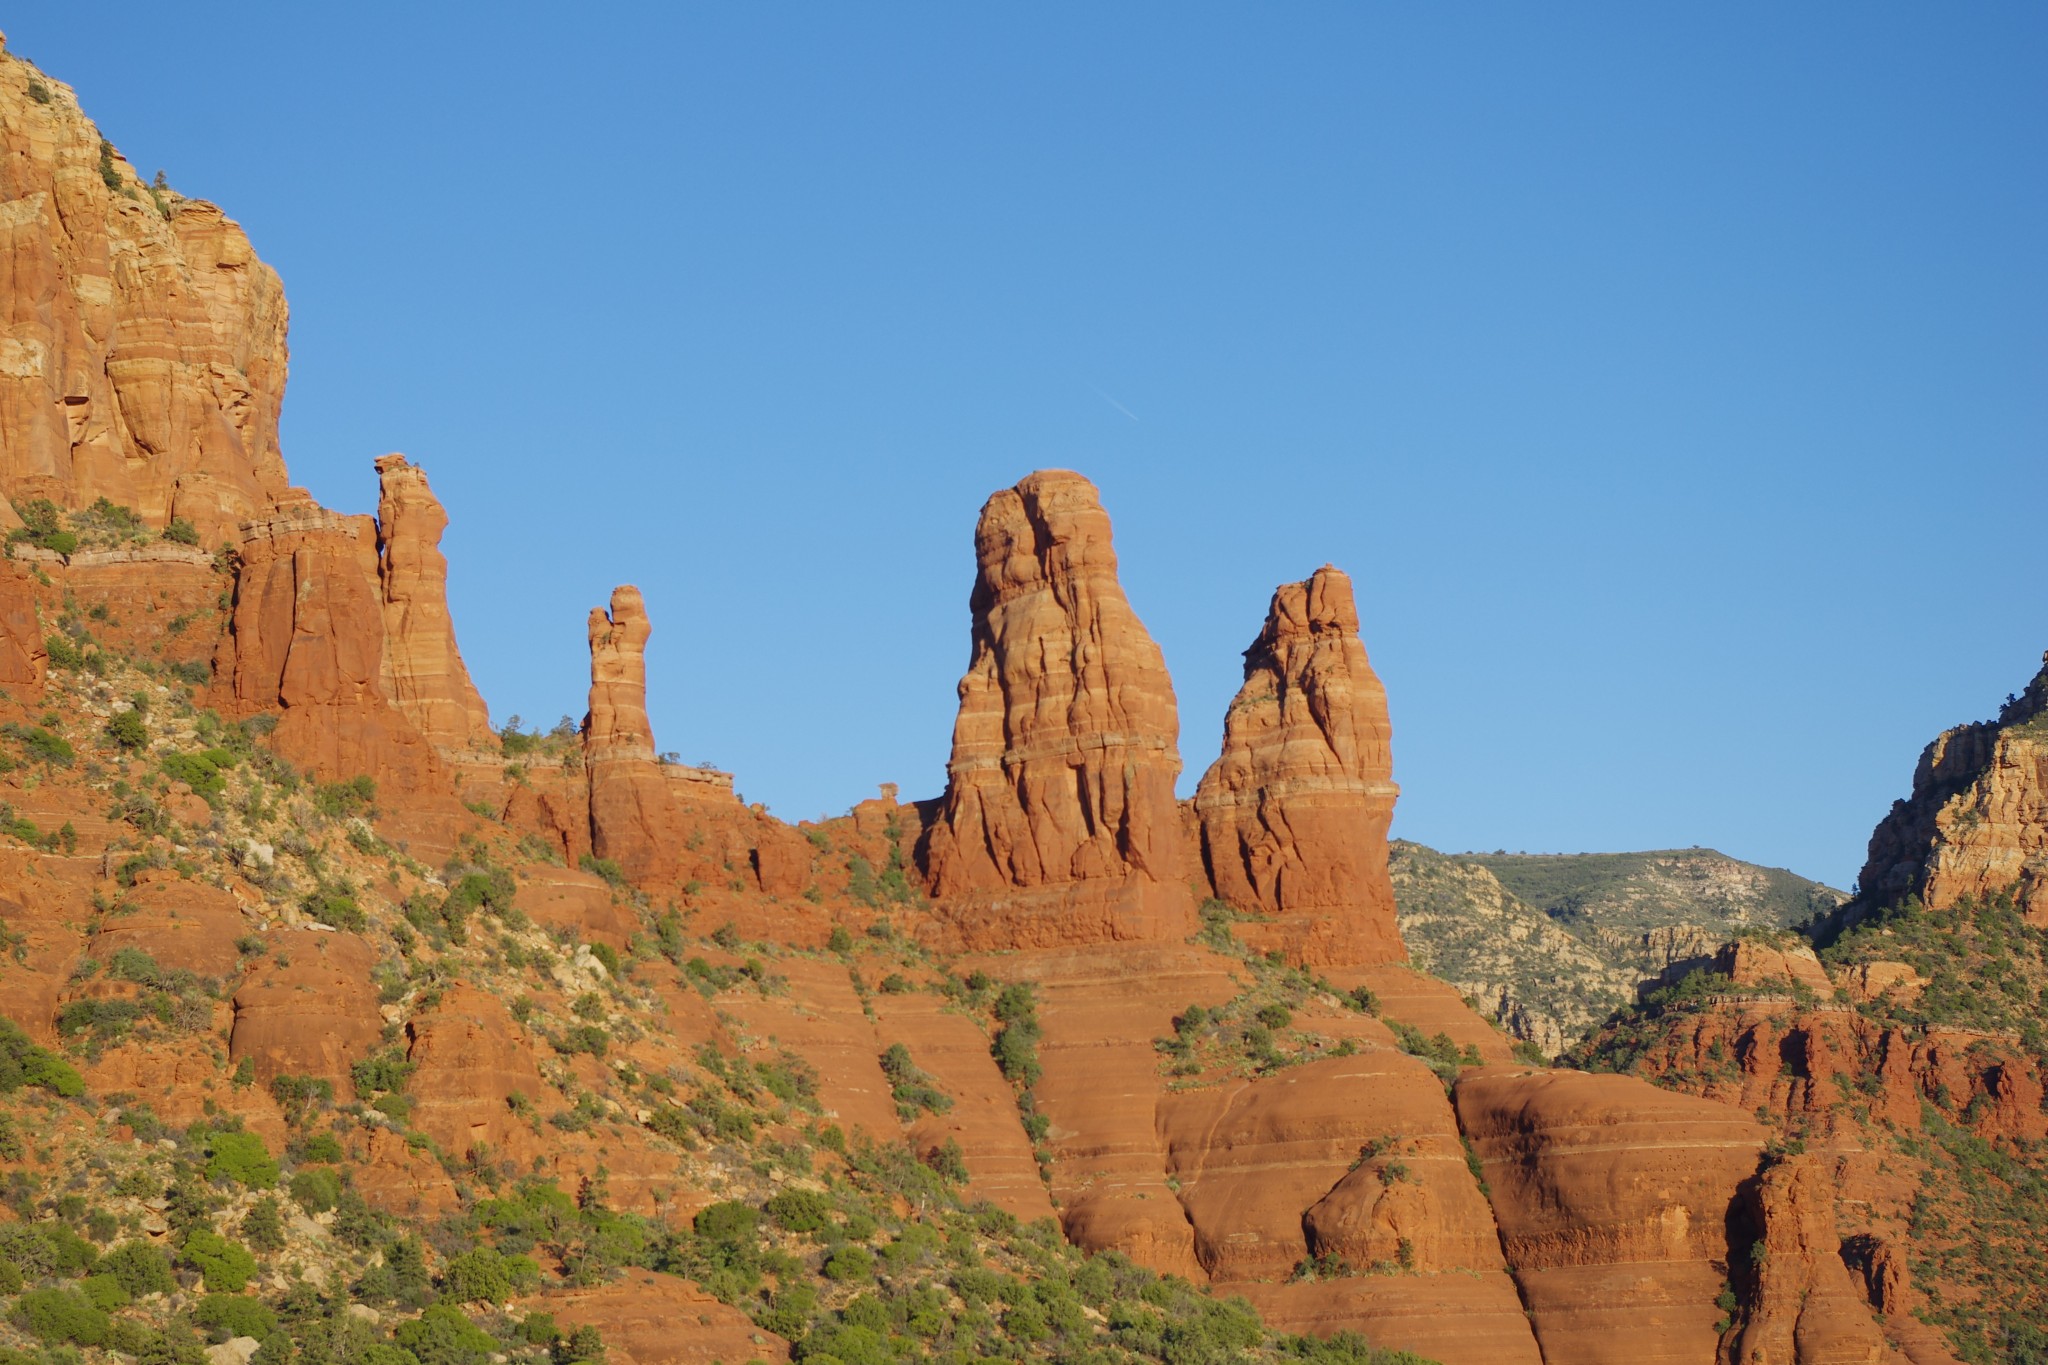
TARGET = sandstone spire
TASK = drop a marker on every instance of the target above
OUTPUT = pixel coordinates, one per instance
(632, 813)
(424, 673)
(1294, 812)
(1977, 822)
(1060, 785)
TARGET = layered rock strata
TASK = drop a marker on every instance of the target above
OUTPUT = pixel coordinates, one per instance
(1977, 821)
(1058, 825)
(632, 812)
(142, 344)
(1294, 812)
(423, 671)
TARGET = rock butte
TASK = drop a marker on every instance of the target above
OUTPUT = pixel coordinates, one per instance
(1520, 1213)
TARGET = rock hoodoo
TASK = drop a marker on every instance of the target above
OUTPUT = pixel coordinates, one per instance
(142, 344)
(632, 815)
(424, 673)
(1294, 812)
(1058, 825)
(1977, 821)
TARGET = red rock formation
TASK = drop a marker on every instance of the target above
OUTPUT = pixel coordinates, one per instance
(308, 1008)
(1058, 825)
(1613, 1199)
(142, 344)
(648, 1318)
(632, 811)
(424, 674)
(1977, 822)
(469, 1060)
(1802, 1304)
(1294, 811)
(23, 659)
(307, 639)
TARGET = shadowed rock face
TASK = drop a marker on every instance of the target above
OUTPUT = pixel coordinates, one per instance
(142, 344)
(1059, 824)
(1977, 822)
(424, 673)
(1294, 812)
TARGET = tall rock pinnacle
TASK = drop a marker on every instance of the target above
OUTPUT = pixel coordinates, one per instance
(1058, 824)
(1294, 812)
(425, 675)
(632, 815)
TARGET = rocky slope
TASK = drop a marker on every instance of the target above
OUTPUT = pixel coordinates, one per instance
(1550, 945)
(344, 1032)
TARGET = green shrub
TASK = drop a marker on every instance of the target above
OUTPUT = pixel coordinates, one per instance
(126, 730)
(263, 1225)
(104, 1292)
(342, 800)
(605, 868)
(234, 1315)
(39, 745)
(181, 532)
(477, 1276)
(226, 1266)
(242, 1158)
(23, 1063)
(850, 1263)
(60, 1316)
(443, 1336)
(204, 772)
(316, 1190)
(141, 1269)
(799, 1210)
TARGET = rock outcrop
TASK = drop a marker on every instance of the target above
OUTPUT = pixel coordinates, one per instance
(23, 657)
(142, 344)
(1294, 811)
(1803, 1305)
(1613, 1199)
(1058, 825)
(632, 812)
(423, 672)
(1977, 821)
(307, 641)
(308, 1008)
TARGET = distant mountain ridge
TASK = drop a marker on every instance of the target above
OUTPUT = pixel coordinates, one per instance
(1551, 944)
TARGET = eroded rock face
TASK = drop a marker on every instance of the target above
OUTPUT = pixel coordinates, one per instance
(632, 812)
(307, 640)
(1977, 821)
(308, 1008)
(470, 1060)
(424, 674)
(1613, 1200)
(1803, 1304)
(1058, 825)
(142, 344)
(23, 658)
(1294, 811)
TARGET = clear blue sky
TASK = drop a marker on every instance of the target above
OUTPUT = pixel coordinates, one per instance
(1669, 378)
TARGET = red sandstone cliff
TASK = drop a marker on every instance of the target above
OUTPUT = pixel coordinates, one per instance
(142, 344)
(1977, 821)
(1294, 812)
(1058, 825)
(424, 673)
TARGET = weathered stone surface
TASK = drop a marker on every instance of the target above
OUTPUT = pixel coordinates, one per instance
(632, 811)
(1058, 825)
(470, 1059)
(23, 659)
(142, 344)
(1802, 1304)
(1977, 821)
(1613, 1199)
(647, 1318)
(1294, 811)
(423, 672)
(308, 1008)
(307, 641)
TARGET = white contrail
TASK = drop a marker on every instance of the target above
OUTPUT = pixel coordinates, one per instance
(1113, 403)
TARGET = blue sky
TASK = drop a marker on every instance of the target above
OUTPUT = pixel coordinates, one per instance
(1669, 378)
